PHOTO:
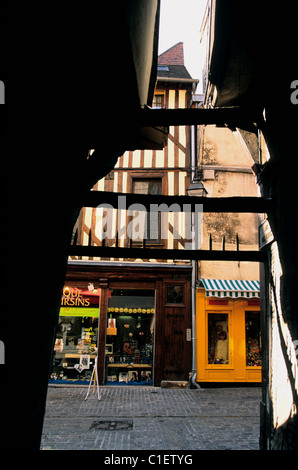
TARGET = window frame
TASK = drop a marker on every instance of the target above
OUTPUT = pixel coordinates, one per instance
(143, 176)
(159, 94)
(255, 312)
(230, 365)
(173, 304)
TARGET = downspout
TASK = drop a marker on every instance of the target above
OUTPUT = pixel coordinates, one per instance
(193, 163)
(194, 383)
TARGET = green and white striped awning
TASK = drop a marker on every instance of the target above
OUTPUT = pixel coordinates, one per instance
(234, 289)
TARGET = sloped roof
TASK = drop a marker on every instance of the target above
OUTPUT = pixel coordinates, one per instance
(171, 63)
(173, 56)
(172, 71)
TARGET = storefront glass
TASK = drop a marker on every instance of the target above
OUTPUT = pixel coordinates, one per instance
(218, 338)
(253, 339)
(130, 337)
(76, 335)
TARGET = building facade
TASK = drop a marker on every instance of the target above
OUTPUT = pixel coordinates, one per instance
(243, 50)
(141, 331)
(228, 326)
(148, 327)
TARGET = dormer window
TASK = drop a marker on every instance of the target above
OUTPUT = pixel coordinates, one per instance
(163, 68)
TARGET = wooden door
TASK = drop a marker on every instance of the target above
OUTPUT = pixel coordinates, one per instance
(177, 331)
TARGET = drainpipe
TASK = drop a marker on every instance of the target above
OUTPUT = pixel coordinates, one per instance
(193, 163)
(194, 335)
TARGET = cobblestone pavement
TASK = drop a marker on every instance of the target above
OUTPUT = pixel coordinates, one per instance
(147, 418)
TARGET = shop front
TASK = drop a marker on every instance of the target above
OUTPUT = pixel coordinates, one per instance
(75, 346)
(229, 346)
(130, 337)
(135, 319)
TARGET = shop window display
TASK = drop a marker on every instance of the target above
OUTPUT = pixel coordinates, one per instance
(75, 346)
(130, 337)
(253, 339)
(218, 338)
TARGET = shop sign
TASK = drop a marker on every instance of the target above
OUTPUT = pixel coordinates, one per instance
(265, 234)
(79, 312)
(77, 302)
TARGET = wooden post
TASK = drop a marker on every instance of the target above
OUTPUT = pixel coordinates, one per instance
(102, 324)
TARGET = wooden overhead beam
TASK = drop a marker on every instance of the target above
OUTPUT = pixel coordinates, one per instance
(120, 125)
(186, 203)
(232, 116)
(157, 253)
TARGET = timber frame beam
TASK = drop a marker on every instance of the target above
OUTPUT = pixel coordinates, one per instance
(124, 122)
(230, 116)
(174, 254)
(161, 203)
(187, 203)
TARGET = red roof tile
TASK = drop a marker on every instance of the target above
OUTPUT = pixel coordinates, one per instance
(173, 56)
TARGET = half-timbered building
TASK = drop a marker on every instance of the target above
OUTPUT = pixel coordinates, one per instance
(142, 326)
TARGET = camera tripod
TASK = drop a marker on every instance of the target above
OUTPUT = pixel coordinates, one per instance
(95, 375)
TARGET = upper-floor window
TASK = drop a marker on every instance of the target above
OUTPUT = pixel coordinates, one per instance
(147, 186)
(158, 101)
(152, 224)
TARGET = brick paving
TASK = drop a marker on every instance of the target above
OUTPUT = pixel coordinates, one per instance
(152, 418)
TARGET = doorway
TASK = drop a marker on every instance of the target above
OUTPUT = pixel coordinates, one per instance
(129, 348)
(177, 331)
